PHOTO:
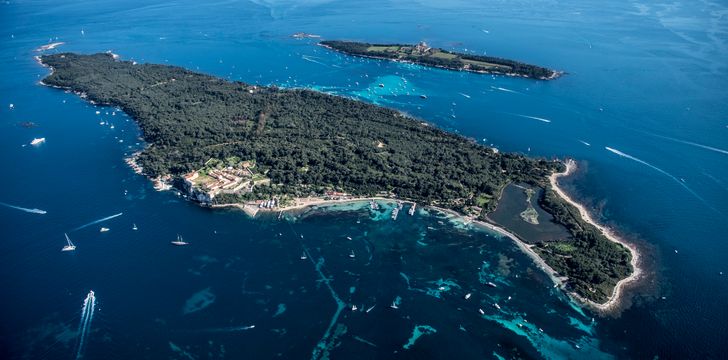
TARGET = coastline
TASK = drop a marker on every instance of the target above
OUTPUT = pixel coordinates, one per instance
(616, 298)
(301, 203)
(613, 302)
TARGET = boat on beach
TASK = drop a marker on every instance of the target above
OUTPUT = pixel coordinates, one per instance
(179, 241)
(69, 245)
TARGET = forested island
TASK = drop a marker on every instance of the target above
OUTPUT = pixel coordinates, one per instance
(423, 54)
(264, 144)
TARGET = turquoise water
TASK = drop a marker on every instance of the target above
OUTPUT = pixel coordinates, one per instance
(645, 79)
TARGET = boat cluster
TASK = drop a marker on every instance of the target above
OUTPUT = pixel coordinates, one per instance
(70, 246)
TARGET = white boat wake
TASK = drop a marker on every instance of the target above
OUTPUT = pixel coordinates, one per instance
(97, 221)
(624, 155)
(465, 95)
(584, 142)
(310, 58)
(533, 118)
(230, 329)
(87, 315)
(706, 147)
(34, 211)
(504, 89)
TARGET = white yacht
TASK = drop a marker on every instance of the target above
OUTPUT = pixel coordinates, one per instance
(69, 246)
(134, 227)
(37, 141)
(179, 241)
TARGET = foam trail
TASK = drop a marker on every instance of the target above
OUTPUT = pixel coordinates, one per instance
(465, 95)
(706, 147)
(659, 170)
(97, 221)
(584, 142)
(230, 329)
(504, 89)
(87, 315)
(34, 211)
(534, 118)
(308, 58)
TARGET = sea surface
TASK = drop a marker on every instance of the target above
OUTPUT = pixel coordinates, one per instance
(643, 108)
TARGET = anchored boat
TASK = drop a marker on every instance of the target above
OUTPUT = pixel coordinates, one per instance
(179, 241)
(69, 246)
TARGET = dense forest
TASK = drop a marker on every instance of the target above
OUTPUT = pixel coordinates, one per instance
(307, 142)
(593, 263)
(442, 58)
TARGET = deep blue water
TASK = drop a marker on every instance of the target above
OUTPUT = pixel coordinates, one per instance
(646, 79)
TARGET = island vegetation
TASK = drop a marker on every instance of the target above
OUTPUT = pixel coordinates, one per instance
(231, 142)
(428, 56)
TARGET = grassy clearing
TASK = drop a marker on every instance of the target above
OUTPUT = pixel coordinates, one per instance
(486, 64)
(444, 55)
(563, 248)
(383, 48)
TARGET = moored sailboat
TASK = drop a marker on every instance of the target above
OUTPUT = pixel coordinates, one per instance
(179, 241)
(69, 245)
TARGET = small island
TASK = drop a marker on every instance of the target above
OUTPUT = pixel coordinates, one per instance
(425, 55)
(268, 149)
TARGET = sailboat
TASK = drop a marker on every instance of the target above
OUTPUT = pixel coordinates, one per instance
(134, 227)
(303, 256)
(69, 246)
(179, 241)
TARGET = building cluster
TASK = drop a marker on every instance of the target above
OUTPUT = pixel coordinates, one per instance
(421, 48)
(268, 204)
(227, 180)
(336, 195)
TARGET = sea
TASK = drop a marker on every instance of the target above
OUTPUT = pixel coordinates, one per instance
(642, 107)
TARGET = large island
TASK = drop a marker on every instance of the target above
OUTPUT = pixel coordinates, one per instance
(233, 143)
(425, 55)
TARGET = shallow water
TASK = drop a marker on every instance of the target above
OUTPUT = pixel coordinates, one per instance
(644, 78)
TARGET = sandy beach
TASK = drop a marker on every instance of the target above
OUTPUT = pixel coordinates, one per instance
(301, 203)
(616, 298)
